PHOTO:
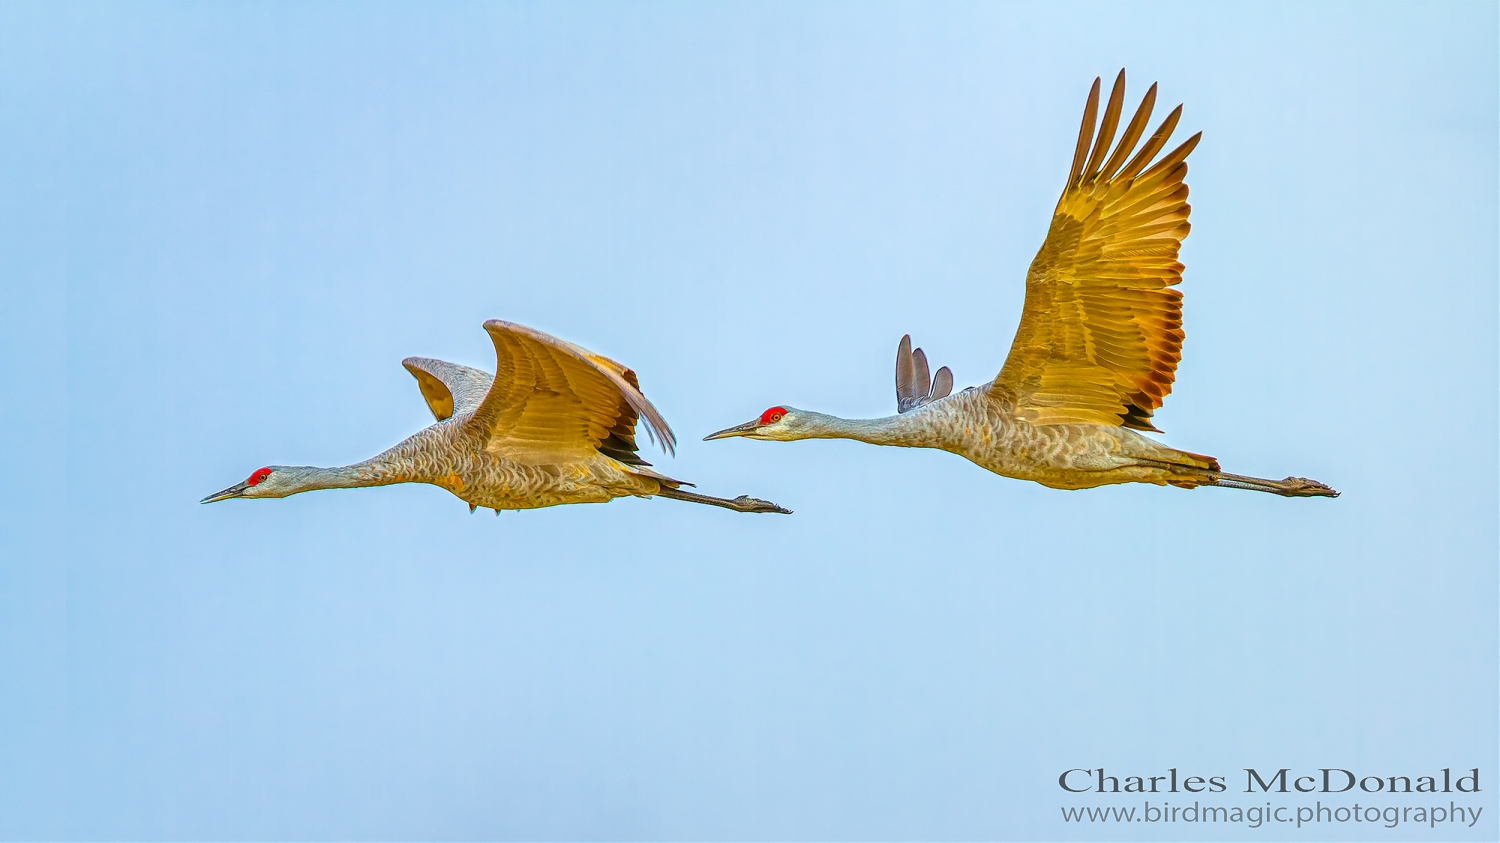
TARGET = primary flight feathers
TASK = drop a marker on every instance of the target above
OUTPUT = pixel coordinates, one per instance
(1101, 329)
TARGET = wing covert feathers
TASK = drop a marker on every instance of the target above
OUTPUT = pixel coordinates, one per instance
(914, 387)
(1101, 330)
(551, 397)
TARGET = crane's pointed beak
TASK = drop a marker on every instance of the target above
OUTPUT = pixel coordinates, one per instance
(738, 430)
(234, 491)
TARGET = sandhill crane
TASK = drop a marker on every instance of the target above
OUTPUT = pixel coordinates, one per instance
(1099, 340)
(554, 425)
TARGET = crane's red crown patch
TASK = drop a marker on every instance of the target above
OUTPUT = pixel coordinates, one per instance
(772, 415)
(259, 475)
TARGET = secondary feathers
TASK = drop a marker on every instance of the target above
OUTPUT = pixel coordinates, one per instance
(552, 398)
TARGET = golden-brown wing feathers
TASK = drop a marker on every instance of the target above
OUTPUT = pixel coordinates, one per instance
(1101, 330)
(552, 399)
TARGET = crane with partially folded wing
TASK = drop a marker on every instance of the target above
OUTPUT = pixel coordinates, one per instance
(554, 425)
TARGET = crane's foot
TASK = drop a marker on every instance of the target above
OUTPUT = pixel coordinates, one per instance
(1291, 487)
(743, 503)
(1301, 487)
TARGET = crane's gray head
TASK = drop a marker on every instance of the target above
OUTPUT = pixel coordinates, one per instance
(273, 481)
(780, 423)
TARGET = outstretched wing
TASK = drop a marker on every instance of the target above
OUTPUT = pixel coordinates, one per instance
(448, 387)
(552, 400)
(913, 388)
(1101, 330)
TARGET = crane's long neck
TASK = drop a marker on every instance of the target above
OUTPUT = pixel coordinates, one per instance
(890, 430)
(396, 465)
(358, 475)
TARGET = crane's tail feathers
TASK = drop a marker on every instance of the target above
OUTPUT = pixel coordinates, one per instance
(743, 503)
(664, 480)
(1189, 458)
(1184, 468)
(914, 385)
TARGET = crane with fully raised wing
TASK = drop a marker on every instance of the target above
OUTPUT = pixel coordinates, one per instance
(1098, 344)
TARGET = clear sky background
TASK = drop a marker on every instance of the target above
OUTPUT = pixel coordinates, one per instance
(223, 225)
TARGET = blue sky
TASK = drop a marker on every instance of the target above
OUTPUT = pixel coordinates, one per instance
(223, 225)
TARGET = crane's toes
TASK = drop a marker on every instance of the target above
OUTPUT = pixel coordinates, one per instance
(1302, 487)
(745, 503)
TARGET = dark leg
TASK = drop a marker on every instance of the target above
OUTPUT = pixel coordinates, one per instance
(743, 503)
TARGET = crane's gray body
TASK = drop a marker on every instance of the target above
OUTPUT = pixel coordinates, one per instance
(448, 454)
(984, 428)
(980, 428)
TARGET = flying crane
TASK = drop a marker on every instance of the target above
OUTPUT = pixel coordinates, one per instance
(1098, 344)
(554, 425)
